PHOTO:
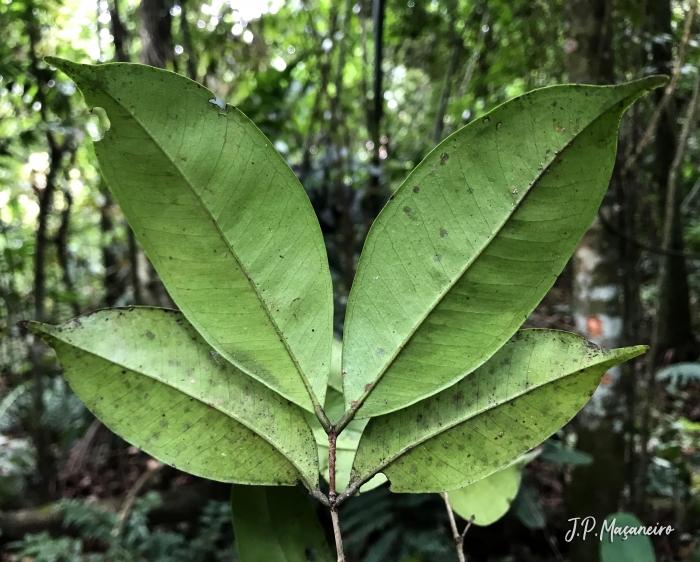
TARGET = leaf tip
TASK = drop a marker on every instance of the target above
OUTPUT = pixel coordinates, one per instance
(30, 326)
(628, 353)
(655, 81)
(64, 65)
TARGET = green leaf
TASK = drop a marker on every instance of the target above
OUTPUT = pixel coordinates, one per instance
(489, 499)
(474, 238)
(557, 453)
(527, 508)
(276, 525)
(635, 548)
(149, 376)
(222, 218)
(529, 389)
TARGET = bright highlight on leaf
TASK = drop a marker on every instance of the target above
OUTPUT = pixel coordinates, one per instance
(151, 378)
(222, 218)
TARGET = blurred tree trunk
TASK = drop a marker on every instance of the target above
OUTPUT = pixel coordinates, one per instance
(156, 50)
(595, 490)
(672, 339)
(674, 322)
(45, 487)
(373, 201)
(156, 33)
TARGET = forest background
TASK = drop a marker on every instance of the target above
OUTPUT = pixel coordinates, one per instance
(353, 94)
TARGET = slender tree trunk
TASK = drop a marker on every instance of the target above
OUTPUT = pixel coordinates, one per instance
(156, 50)
(114, 288)
(110, 257)
(671, 334)
(187, 42)
(456, 48)
(156, 33)
(373, 200)
(674, 321)
(344, 194)
(595, 490)
(45, 464)
(61, 243)
(119, 33)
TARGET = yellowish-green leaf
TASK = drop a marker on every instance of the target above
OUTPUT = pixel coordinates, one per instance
(148, 376)
(528, 390)
(489, 499)
(222, 218)
(474, 238)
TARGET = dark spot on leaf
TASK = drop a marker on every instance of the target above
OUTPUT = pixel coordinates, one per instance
(444, 157)
(470, 191)
(437, 258)
(150, 335)
(311, 554)
(416, 189)
(443, 233)
(407, 209)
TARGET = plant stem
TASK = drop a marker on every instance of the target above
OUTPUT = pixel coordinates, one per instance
(333, 496)
(336, 534)
(321, 416)
(456, 535)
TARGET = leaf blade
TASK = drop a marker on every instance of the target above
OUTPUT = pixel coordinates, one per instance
(149, 376)
(489, 499)
(276, 524)
(482, 423)
(223, 219)
(633, 548)
(444, 278)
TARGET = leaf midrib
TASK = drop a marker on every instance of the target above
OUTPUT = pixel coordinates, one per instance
(198, 399)
(363, 397)
(613, 360)
(261, 302)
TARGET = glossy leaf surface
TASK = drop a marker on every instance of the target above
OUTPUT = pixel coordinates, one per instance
(222, 218)
(276, 525)
(474, 238)
(148, 376)
(529, 389)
